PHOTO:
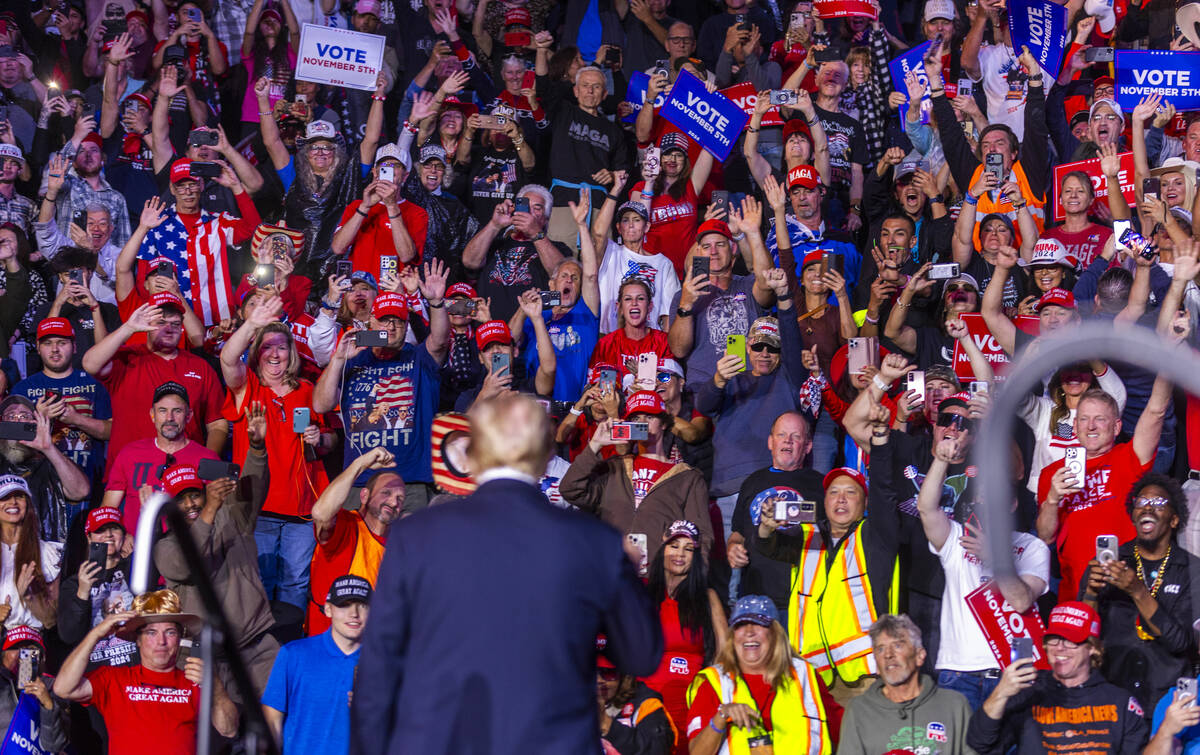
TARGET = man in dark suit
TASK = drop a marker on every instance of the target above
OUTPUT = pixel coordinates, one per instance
(486, 611)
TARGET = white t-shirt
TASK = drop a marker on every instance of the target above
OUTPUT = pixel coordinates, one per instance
(619, 263)
(1005, 103)
(963, 646)
(51, 562)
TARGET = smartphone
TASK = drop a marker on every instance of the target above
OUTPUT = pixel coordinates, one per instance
(652, 161)
(630, 431)
(1186, 686)
(215, 469)
(966, 87)
(343, 268)
(828, 55)
(1022, 647)
(944, 271)
(264, 275)
(204, 170)
(203, 137)
(521, 204)
(832, 261)
(529, 79)
(742, 24)
(79, 219)
(915, 382)
(700, 266)
(549, 299)
(1106, 548)
(608, 379)
(18, 430)
(1099, 55)
(371, 338)
(492, 122)
(1151, 187)
(29, 666)
(994, 164)
(637, 541)
(187, 646)
(791, 513)
(98, 554)
(87, 110)
(923, 166)
(784, 97)
(1138, 244)
(977, 386)
(862, 352)
(518, 39)
(797, 20)
(461, 307)
(1075, 460)
(114, 27)
(736, 344)
(301, 419)
(194, 15)
(647, 368)
(501, 364)
(662, 68)
(388, 263)
(387, 173)
(720, 203)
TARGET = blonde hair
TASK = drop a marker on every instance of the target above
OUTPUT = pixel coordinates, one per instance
(510, 431)
(159, 601)
(778, 660)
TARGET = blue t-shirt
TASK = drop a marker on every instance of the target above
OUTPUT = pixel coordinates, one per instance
(391, 403)
(287, 174)
(86, 396)
(574, 337)
(1189, 737)
(310, 684)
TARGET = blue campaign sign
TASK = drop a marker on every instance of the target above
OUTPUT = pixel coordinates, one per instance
(635, 94)
(1174, 75)
(913, 60)
(711, 118)
(23, 729)
(1040, 25)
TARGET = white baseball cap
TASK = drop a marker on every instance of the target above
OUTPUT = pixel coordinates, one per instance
(940, 9)
(393, 152)
(1103, 11)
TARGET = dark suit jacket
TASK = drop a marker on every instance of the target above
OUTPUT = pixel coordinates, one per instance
(482, 631)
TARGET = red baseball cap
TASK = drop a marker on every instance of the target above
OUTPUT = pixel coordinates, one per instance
(138, 14)
(461, 289)
(962, 398)
(180, 478)
(167, 299)
(390, 304)
(518, 17)
(94, 138)
(713, 226)
(101, 517)
(1057, 297)
(796, 126)
(853, 474)
(55, 326)
(644, 402)
(492, 331)
(181, 170)
(803, 175)
(20, 634)
(812, 258)
(1103, 80)
(1073, 620)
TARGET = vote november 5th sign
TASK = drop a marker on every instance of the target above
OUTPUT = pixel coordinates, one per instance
(708, 117)
(1174, 75)
(339, 57)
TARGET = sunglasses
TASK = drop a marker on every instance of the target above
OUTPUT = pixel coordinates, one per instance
(957, 421)
(959, 287)
(164, 467)
(665, 377)
(763, 346)
(1155, 502)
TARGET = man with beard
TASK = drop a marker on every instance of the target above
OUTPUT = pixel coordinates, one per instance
(54, 480)
(15, 208)
(806, 226)
(1144, 597)
(146, 460)
(352, 542)
(133, 373)
(76, 402)
(903, 706)
(86, 188)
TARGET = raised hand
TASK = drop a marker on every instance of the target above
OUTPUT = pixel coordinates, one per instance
(256, 423)
(433, 284)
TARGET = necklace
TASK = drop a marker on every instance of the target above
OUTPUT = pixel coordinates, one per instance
(1158, 580)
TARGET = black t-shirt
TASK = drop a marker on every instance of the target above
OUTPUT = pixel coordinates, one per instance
(1015, 288)
(934, 347)
(129, 168)
(582, 144)
(493, 177)
(846, 145)
(766, 576)
(512, 268)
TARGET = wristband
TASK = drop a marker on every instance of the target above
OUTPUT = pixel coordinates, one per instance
(970, 199)
(784, 297)
(359, 211)
(872, 320)
(710, 725)
(613, 197)
(681, 312)
(880, 384)
(937, 199)
(576, 412)
(439, 305)
(739, 236)
(752, 129)
(378, 97)
(330, 307)
(410, 128)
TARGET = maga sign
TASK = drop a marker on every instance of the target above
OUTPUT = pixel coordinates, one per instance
(708, 117)
(1000, 624)
(1041, 26)
(1174, 75)
(1099, 183)
(339, 57)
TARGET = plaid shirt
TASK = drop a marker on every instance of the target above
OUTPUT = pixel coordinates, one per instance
(77, 194)
(229, 24)
(20, 211)
(868, 103)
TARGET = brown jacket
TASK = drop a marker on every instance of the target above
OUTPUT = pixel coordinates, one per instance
(605, 487)
(227, 546)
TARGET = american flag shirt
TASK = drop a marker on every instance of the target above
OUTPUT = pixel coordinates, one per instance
(199, 256)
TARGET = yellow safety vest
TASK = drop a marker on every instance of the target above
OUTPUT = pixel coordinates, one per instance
(798, 722)
(832, 606)
(1001, 205)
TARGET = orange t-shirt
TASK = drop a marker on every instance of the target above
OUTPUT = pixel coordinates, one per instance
(351, 549)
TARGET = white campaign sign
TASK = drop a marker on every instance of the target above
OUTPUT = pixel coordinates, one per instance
(339, 57)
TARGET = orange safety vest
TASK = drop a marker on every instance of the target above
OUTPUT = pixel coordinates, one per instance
(1001, 205)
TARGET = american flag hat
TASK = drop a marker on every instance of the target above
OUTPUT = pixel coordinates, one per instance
(266, 229)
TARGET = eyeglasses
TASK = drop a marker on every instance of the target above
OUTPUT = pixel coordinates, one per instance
(1146, 503)
(164, 467)
(680, 40)
(959, 287)
(322, 148)
(1061, 642)
(957, 421)
(760, 346)
(19, 416)
(188, 187)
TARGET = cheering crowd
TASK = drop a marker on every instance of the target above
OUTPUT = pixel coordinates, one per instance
(293, 308)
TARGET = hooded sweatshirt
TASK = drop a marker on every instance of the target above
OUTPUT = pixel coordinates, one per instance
(933, 722)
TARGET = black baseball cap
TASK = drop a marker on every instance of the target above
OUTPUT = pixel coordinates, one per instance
(349, 588)
(170, 388)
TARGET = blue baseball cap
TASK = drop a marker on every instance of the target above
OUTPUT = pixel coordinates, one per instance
(755, 609)
(362, 276)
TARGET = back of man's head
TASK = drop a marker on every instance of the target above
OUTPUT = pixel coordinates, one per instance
(510, 431)
(1112, 291)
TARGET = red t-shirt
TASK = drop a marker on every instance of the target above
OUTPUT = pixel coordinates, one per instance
(1083, 245)
(127, 306)
(351, 549)
(646, 472)
(136, 373)
(295, 481)
(673, 224)
(1099, 509)
(615, 348)
(374, 239)
(146, 710)
(138, 464)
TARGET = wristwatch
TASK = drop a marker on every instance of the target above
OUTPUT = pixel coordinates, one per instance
(681, 312)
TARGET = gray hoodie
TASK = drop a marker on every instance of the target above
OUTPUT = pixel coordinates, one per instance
(934, 722)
